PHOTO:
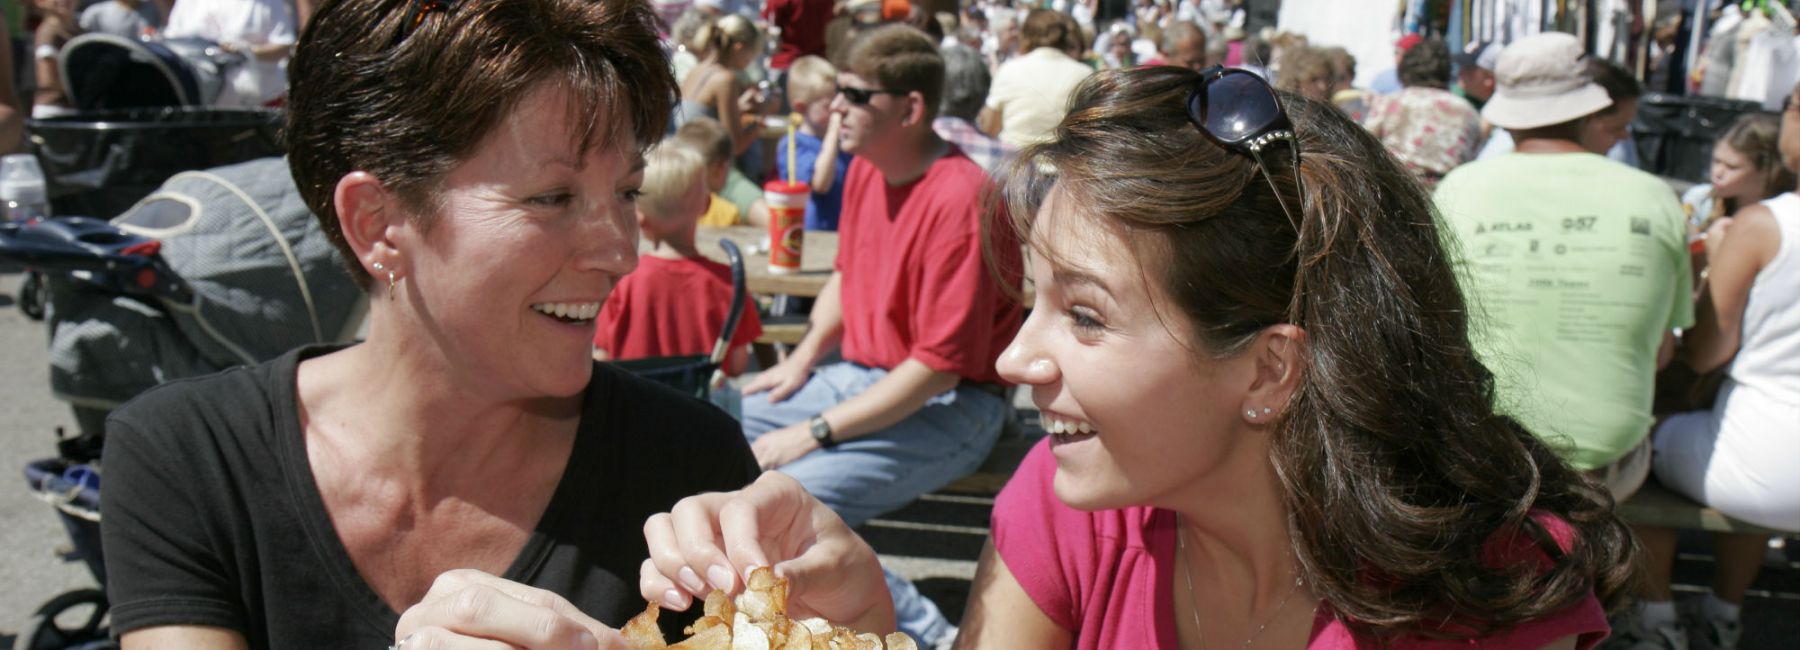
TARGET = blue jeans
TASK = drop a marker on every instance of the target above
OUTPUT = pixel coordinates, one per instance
(878, 473)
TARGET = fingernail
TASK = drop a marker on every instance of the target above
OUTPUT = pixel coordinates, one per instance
(674, 600)
(690, 580)
(720, 577)
(586, 641)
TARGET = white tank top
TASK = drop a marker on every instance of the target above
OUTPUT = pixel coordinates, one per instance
(1768, 357)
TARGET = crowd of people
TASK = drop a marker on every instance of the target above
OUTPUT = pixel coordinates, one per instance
(1320, 365)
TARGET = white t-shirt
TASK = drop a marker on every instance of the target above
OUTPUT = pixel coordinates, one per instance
(243, 23)
(115, 18)
(1032, 94)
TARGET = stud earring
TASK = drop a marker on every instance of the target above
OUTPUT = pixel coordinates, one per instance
(379, 268)
(1250, 414)
(1267, 410)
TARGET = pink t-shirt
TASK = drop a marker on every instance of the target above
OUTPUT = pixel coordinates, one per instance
(1108, 576)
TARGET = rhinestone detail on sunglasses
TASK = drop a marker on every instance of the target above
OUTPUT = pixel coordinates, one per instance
(1239, 100)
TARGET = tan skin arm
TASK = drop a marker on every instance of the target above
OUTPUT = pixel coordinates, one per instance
(723, 93)
(1001, 615)
(183, 637)
(1736, 259)
(989, 121)
(737, 360)
(303, 11)
(824, 174)
(49, 82)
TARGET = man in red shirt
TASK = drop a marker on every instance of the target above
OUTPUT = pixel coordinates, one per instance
(911, 305)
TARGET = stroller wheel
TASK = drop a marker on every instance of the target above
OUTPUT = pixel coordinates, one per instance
(32, 297)
(43, 632)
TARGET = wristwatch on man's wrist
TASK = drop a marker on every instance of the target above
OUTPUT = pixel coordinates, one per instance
(821, 431)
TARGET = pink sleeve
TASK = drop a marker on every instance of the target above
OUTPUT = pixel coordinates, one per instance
(1585, 619)
(1038, 540)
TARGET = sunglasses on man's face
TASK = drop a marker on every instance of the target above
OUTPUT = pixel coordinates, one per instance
(861, 96)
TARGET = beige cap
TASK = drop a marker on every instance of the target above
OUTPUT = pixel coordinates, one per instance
(1542, 80)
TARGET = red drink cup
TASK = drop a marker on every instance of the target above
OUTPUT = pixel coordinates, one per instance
(787, 224)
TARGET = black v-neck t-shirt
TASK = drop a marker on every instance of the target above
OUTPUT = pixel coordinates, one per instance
(211, 516)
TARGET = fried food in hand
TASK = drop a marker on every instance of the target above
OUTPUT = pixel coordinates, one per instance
(757, 620)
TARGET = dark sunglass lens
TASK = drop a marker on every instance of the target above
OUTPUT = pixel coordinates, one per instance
(1238, 106)
(856, 96)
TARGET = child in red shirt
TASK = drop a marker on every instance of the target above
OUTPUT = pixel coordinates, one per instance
(675, 302)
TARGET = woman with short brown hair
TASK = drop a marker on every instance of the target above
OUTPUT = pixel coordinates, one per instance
(475, 162)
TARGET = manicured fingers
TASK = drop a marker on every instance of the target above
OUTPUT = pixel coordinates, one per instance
(763, 519)
(686, 561)
(696, 525)
(658, 588)
(665, 576)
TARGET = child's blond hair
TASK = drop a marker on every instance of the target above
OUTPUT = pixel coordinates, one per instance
(810, 79)
(671, 170)
(706, 136)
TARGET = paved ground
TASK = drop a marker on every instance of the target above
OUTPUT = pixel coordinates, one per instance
(935, 541)
(30, 571)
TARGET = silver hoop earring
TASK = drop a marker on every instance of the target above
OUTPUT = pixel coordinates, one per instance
(390, 286)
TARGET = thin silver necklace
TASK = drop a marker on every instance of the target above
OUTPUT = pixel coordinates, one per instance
(1200, 632)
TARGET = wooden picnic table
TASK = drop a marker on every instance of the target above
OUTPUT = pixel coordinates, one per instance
(816, 256)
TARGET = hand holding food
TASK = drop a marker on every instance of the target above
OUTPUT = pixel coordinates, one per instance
(757, 620)
(709, 541)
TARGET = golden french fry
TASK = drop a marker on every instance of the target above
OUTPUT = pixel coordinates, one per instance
(757, 620)
(703, 624)
(798, 637)
(720, 605)
(714, 638)
(747, 635)
(641, 632)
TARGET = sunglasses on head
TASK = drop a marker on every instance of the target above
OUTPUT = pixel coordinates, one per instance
(861, 96)
(1238, 110)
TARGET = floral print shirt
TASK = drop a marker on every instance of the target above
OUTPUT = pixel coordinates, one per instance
(1430, 130)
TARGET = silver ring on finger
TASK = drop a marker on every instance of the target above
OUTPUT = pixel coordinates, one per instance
(401, 644)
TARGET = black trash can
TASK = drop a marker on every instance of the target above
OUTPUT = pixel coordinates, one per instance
(99, 163)
(1675, 133)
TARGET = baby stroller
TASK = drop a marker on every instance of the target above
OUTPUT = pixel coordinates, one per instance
(103, 71)
(217, 268)
(700, 374)
(141, 116)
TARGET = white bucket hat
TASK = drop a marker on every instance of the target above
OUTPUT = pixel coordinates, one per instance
(1542, 80)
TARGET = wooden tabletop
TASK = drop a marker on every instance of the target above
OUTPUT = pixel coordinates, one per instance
(816, 256)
